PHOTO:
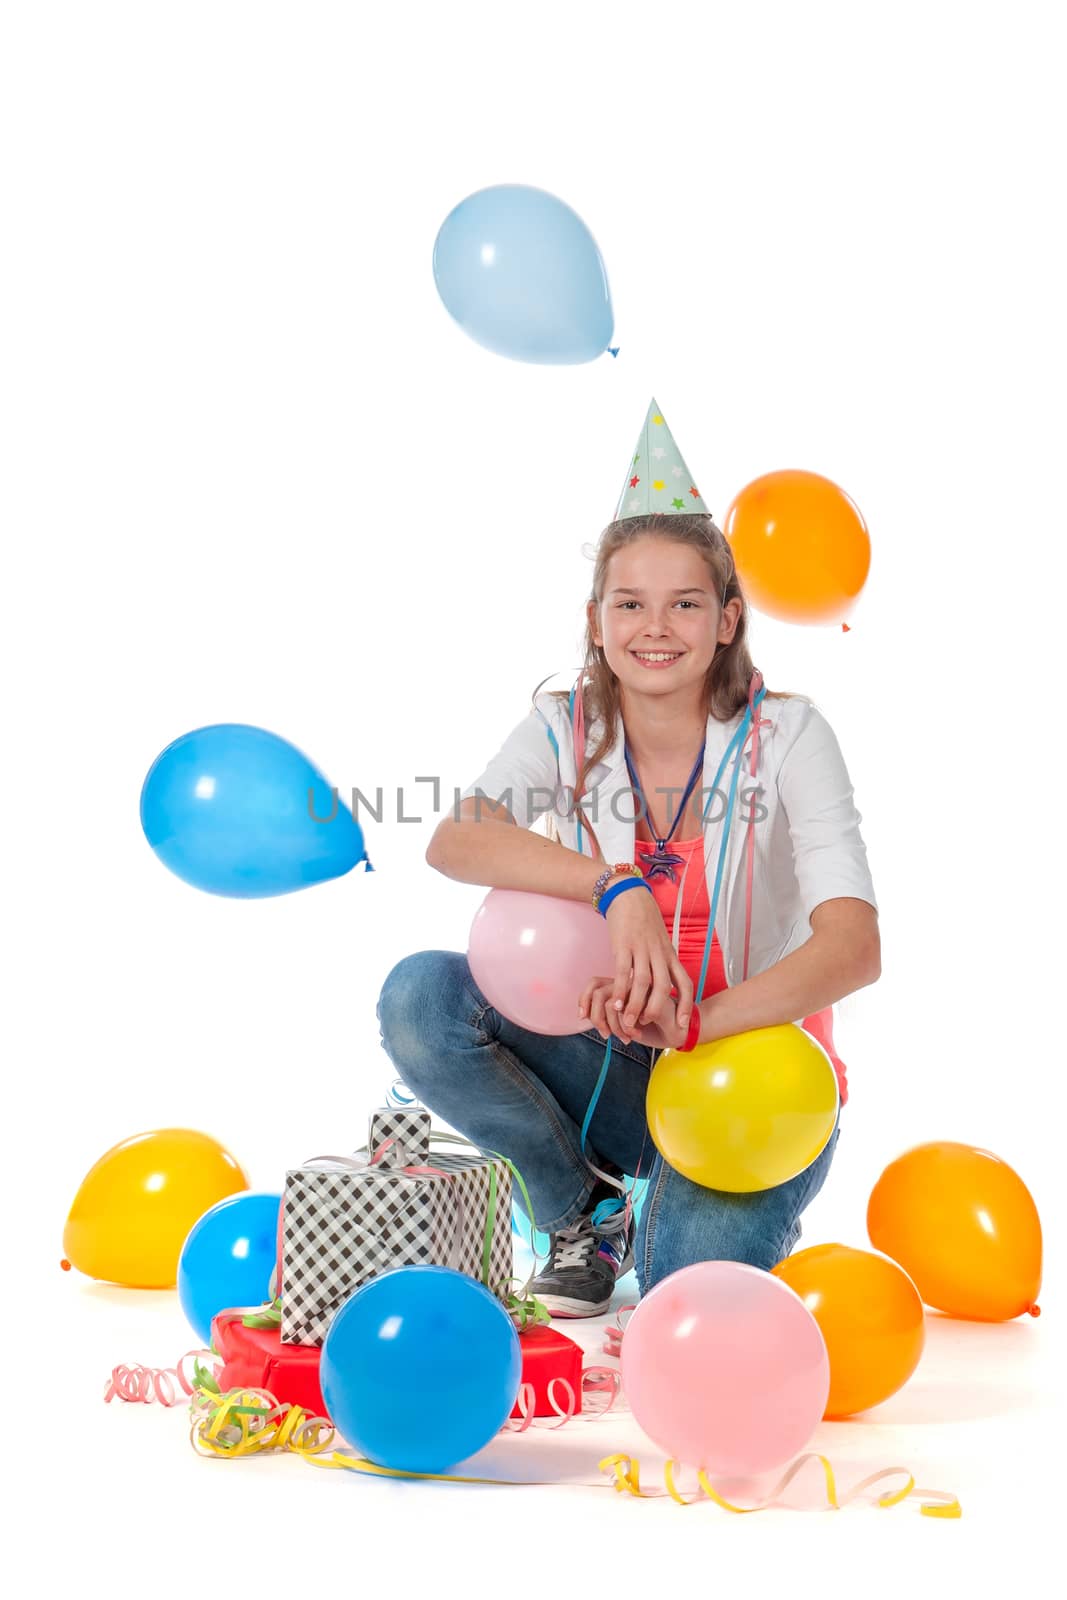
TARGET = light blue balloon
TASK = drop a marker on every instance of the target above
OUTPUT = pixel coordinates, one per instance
(237, 811)
(228, 1258)
(521, 274)
(420, 1368)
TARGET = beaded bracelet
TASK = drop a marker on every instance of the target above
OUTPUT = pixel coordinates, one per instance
(620, 888)
(599, 886)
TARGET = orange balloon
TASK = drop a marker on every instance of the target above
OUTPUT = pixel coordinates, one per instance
(136, 1206)
(801, 546)
(870, 1315)
(964, 1226)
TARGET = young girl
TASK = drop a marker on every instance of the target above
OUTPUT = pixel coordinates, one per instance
(724, 850)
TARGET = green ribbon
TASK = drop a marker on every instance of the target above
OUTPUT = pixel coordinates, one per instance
(268, 1315)
(202, 1378)
(490, 1223)
(525, 1309)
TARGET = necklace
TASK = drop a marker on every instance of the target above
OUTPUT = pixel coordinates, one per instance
(662, 862)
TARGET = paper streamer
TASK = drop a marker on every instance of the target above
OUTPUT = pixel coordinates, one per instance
(145, 1384)
(247, 1422)
(613, 1335)
(250, 1421)
(595, 1380)
(626, 1473)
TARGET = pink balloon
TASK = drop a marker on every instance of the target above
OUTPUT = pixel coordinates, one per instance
(725, 1368)
(531, 955)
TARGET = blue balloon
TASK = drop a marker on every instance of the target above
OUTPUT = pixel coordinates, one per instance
(521, 274)
(228, 1258)
(420, 1368)
(237, 811)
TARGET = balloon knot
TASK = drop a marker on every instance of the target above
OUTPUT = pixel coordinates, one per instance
(845, 628)
(613, 351)
(65, 1264)
(368, 867)
(1035, 1311)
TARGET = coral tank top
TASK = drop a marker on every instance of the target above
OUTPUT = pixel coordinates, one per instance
(693, 930)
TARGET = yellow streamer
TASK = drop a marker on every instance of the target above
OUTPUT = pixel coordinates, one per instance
(246, 1422)
(625, 1469)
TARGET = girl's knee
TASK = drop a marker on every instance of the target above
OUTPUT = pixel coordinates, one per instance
(790, 1241)
(708, 1226)
(416, 997)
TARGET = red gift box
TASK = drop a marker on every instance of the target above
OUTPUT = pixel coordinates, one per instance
(255, 1358)
(547, 1354)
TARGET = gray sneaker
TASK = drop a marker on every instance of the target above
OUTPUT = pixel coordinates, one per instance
(584, 1262)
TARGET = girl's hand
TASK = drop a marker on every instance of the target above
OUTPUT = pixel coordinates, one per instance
(667, 1034)
(646, 966)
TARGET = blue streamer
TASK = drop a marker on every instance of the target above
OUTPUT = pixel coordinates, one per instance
(596, 1096)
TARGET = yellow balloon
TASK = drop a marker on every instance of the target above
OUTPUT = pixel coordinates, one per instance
(135, 1207)
(744, 1113)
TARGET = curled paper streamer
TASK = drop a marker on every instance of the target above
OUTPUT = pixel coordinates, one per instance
(613, 1335)
(600, 1380)
(247, 1422)
(527, 1399)
(595, 1380)
(626, 1474)
(145, 1384)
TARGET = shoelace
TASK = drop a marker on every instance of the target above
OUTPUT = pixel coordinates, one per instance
(609, 1216)
(611, 1224)
(576, 1245)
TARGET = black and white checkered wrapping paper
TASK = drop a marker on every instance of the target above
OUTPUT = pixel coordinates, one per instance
(409, 1130)
(343, 1226)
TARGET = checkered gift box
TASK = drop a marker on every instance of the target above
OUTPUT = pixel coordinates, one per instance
(347, 1219)
(402, 1136)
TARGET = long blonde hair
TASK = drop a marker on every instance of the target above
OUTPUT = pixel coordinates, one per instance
(730, 673)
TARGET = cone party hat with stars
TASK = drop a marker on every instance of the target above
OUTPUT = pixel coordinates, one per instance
(657, 479)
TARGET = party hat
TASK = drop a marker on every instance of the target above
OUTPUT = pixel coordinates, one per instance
(657, 478)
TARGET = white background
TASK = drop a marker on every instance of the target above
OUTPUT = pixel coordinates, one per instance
(253, 472)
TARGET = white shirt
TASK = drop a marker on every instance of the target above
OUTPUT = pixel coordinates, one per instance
(808, 846)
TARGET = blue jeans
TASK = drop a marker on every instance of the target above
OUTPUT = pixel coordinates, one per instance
(525, 1094)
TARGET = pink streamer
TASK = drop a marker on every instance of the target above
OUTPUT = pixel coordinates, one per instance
(408, 1172)
(595, 1380)
(613, 1335)
(142, 1385)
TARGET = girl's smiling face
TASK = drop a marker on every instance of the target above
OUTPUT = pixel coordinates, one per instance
(660, 602)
